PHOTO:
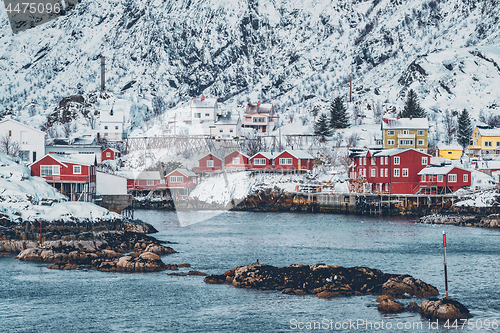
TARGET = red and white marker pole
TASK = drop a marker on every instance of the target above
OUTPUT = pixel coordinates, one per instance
(445, 271)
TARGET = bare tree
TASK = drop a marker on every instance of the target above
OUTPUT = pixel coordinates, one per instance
(378, 112)
(450, 127)
(291, 116)
(315, 112)
(253, 144)
(158, 105)
(9, 146)
(67, 129)
(338, 139)
(345, 161)
(358, 115)
(352, 141)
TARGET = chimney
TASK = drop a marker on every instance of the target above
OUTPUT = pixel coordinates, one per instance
(102, 72)
(258, 103)
(202, 98)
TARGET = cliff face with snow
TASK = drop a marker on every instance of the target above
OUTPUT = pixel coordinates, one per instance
(295, 53)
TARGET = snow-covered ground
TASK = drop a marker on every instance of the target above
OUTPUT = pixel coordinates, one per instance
(27, 198)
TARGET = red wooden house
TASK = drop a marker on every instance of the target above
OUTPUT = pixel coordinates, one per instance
(262, 160)
(393, 171)
(236, 161)
(181, 179)
(294, 160)
(142, 180)
(72, 175)
(443, 179)
(110, 154)
(209, 163)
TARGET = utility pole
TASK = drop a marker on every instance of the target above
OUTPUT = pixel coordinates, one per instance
(445, 270)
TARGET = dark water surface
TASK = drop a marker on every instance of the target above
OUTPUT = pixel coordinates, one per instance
(36, 299)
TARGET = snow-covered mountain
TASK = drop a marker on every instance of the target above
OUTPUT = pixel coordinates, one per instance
(297, 54)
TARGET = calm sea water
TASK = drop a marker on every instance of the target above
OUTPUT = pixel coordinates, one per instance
(36, 299)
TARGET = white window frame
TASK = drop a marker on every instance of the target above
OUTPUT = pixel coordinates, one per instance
(387, 172)
(259, 161)
(381, 172)
(488, 143)
(396, 172)
(150, 182)
(176, 179)
(373, 161)
(210, 163)
(373, 172)
(440, 179)
(236, 160)
(197, 115)
(75, 168)
(108, 154)
(466, 178)
(452, 178)
(396, 160)
(390, 142)
(286, 161)
(420, 142)
(47, 169)
(391, 132)
(56, 170)
(406, 132)
(425, 160)
(387, 187)
(364, 160)
(420, 133)
(405, 172)
(423, 178)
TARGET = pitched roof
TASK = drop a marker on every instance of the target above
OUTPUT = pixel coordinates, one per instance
(227, 121)
(449, 147)
(256, 108)
(19, 123)
(237, 151)
(301, 154)
(405, 123)
(113, 149)
(489, 131)
(184, 171)
(266, 154)
(203, 102)
(396, 151)
(217, 157)
(84, 159)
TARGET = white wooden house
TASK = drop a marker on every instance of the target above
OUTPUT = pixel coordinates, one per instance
(31, 141)
(111, 125)
(226, 128)
(204, 109)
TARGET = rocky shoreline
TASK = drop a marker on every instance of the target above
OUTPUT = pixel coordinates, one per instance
(480, 221)
(114, 246)
(328, 281)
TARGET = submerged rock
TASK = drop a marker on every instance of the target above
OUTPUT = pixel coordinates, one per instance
(389, 305)
(445, 308)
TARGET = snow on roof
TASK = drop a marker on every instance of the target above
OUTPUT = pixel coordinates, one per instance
(259, 108)
(184, 171)
(302, 154)
(203, 102)
(405, 123)
(112, 149)
(143, 175)
(391, 152)
(438, 170)
(237, 151)
(227, 121)
(106, 117)
(489, 131)
(266, 154)
(217, 157)
(18, 123)
(493, 164)
(449, 147)
(84, 159)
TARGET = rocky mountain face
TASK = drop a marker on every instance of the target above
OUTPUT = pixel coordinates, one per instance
(294, 53)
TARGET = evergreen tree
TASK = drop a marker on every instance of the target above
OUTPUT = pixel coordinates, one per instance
(464, 129)
(412, 107)
(321, 127)
(338, 114)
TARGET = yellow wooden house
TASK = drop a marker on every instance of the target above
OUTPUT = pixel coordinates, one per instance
(451, 152)
(485, 141)
(405, 133)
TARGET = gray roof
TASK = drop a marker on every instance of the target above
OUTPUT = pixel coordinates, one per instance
(489, 131)
(301, 154)
(136, 174)
(438, 170)
(256, 108)
(185, 172)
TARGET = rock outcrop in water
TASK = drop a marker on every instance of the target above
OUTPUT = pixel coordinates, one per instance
(444, 309)
(323, 280)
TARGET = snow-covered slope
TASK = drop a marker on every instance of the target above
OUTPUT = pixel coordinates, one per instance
(26, 198)
(297, 54)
